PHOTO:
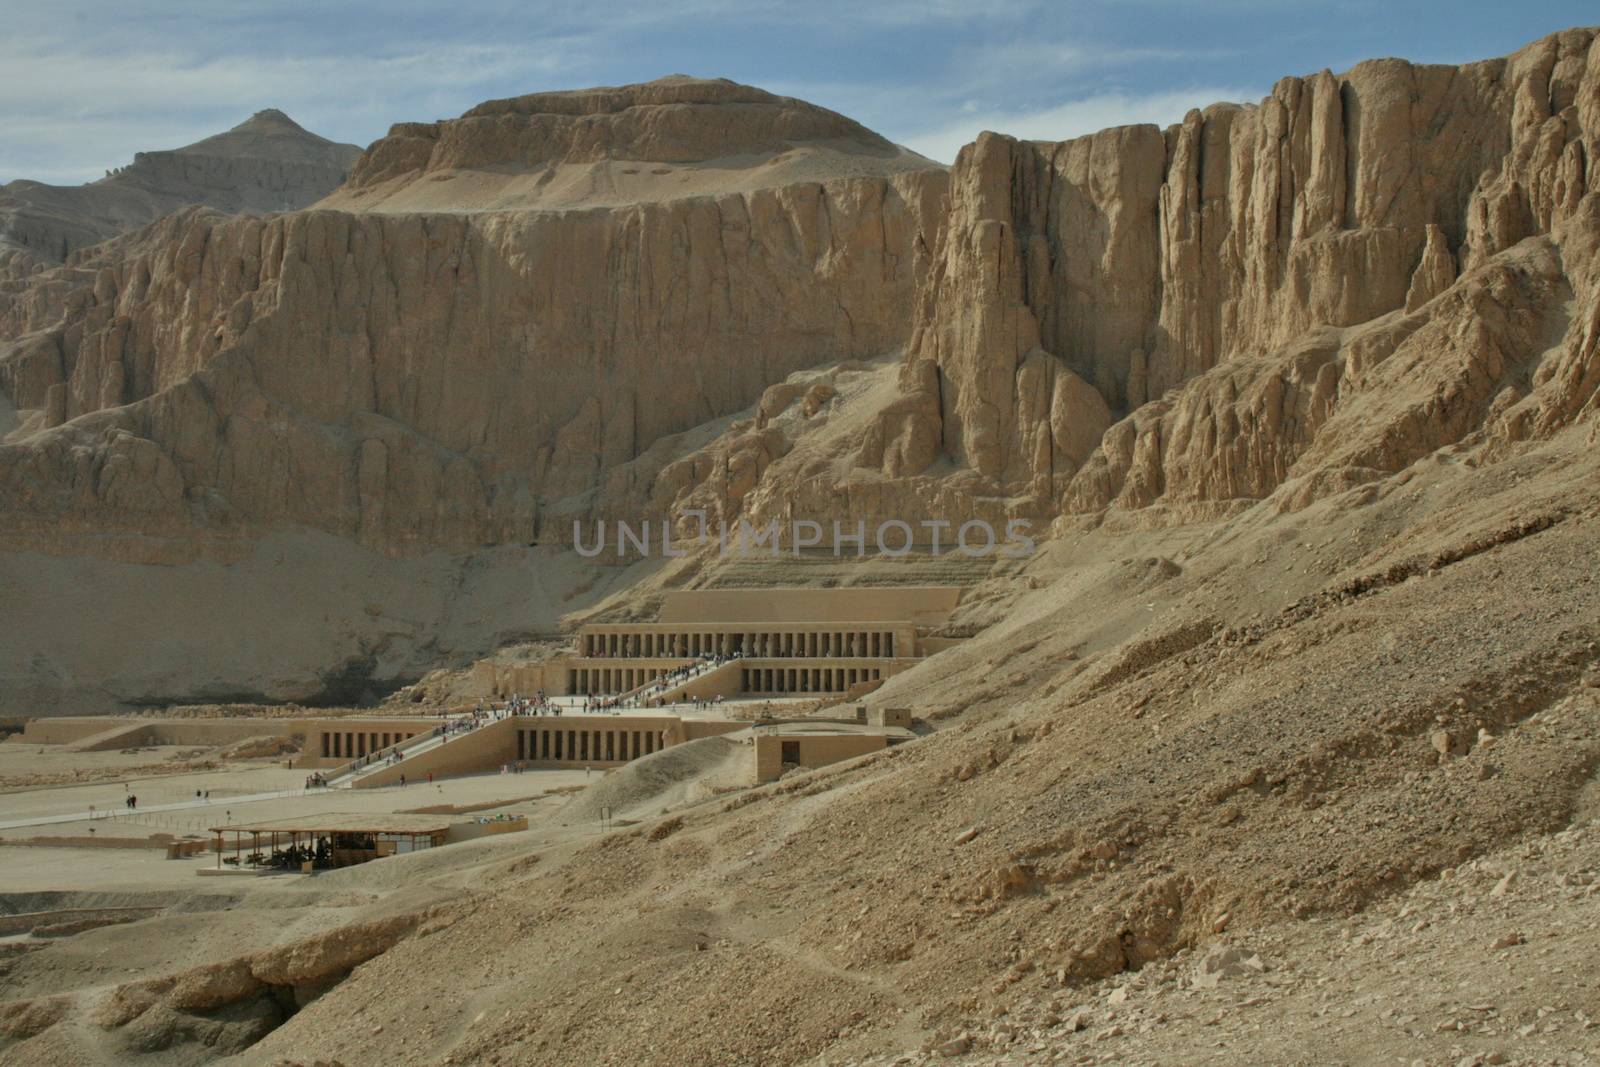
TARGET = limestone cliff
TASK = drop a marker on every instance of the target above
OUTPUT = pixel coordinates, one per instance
(662, 140)
(420, 380)
(1225, 287)
(1234, 288)
(1413, 175)
(626, 302)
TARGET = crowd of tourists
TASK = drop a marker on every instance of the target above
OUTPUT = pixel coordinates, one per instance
(538, 704)
(464, 725)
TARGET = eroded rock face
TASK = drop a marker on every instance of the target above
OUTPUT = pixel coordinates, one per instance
(224, 1006)
(420, 381)
(1293, 296)
(673, 120)
(1197, 279)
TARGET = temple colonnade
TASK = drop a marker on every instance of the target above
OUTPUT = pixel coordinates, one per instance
(558, 742)
(766, 643)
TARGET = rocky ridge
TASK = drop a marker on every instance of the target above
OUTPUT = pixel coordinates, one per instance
(676, 120)
(1288, 298)
(1283, 302)
(266, 163)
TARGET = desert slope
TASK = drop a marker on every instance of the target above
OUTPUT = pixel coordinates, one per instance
(1246, 734)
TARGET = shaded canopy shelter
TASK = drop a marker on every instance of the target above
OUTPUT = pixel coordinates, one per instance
(329, 840)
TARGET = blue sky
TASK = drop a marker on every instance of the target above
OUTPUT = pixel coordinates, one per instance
(86, 83)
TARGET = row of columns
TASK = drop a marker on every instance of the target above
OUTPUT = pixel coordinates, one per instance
(613, 679)
(560, 744)
(680, 645)
(806, 679)
(353, 744)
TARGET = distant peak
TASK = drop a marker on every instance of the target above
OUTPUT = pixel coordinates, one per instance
(271, 133)
(269, 118)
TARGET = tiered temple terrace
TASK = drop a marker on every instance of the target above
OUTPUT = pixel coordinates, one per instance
(751, 643)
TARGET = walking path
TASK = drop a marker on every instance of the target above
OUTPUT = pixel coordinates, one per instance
(112, 814)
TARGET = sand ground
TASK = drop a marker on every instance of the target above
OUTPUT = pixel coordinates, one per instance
(169, 809)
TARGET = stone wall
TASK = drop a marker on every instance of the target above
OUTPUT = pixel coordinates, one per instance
(814, 750)
(122, 732)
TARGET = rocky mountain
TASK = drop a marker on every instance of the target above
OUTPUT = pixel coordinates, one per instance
(417, 379)
(1289, 299)
(669, 139)
(438, 376)
(629, 301)
(1284, 747)
(266, 163)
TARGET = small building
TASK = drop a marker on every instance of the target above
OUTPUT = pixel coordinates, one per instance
(896, 717)
(797, 744)
(326, 841)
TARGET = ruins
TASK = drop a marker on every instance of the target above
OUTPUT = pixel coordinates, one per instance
(716, 662)
(749, 642)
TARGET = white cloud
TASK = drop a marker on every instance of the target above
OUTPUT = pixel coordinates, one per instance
(1072, 119)
(69, 116)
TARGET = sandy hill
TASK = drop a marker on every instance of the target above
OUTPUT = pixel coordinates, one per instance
(667, 139)
(266, 163)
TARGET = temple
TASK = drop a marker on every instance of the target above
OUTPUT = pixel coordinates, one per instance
(743, 643)
(775, 669)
